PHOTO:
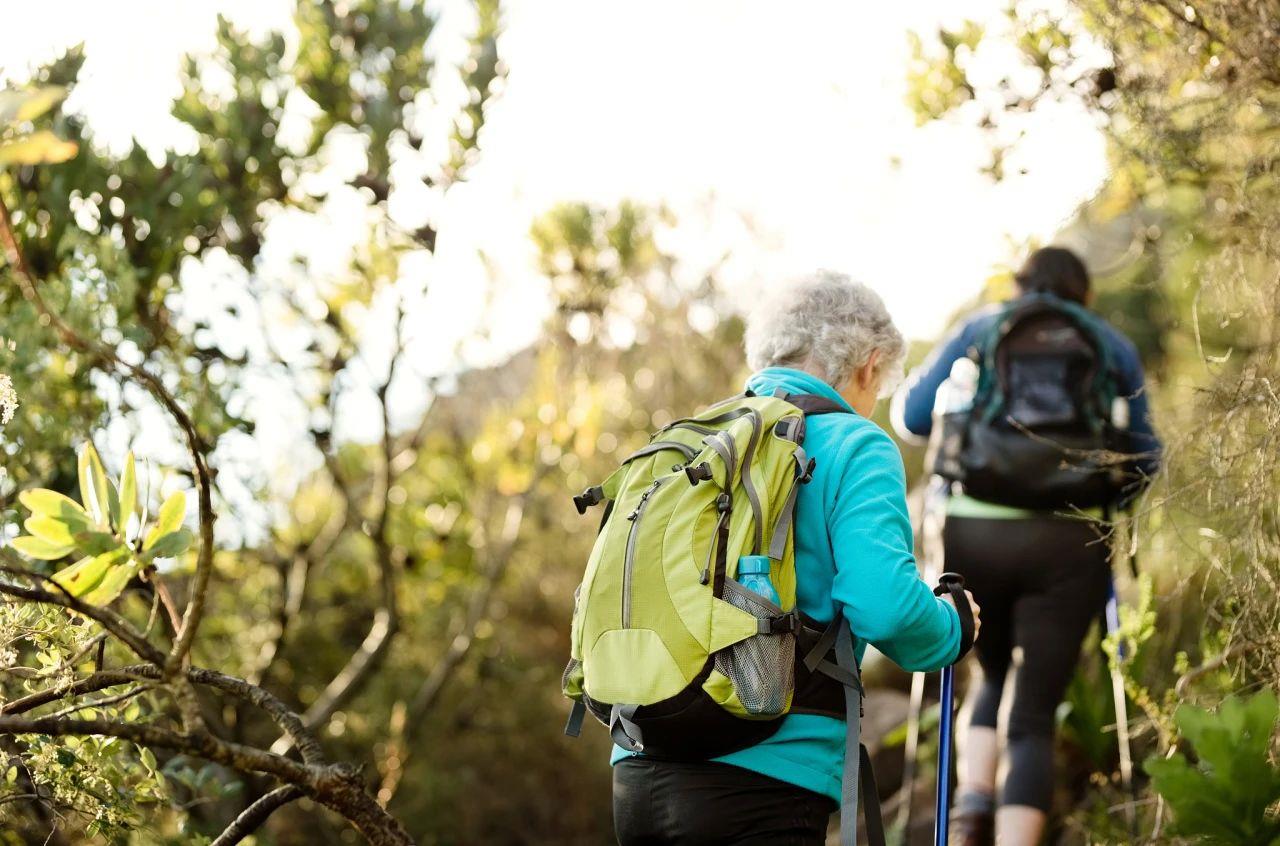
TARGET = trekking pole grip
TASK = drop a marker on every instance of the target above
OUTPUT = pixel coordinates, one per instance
(953, 584)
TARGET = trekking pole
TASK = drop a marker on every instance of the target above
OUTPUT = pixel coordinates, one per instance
(952, 583)
(1112, 616)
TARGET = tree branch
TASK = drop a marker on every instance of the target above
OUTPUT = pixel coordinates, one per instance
(90, 684)
(336, 786)
(108, 619)
(459, 644)
(286, 719)
(386, 619)
(201, 744)
(252, 817)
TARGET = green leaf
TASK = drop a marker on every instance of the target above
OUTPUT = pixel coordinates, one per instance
(87, 573)
(22, 106)
(1224, 796)
(41, 549)
(113, 583)
(171, 545)
(148, 759)
(51, 529)
(128, 492)
(169, 519)
(42, 147)
(53, 504)
(96, 543)
(93, 486)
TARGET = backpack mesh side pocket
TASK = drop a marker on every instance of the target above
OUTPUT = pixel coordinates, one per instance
(762, 667)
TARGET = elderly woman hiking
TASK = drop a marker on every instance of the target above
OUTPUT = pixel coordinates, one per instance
(839, 546)
(1025, 528)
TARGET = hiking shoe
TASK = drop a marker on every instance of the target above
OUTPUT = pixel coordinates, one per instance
(973, 829)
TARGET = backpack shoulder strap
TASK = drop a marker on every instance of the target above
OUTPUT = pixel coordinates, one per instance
(812, 404)
(858, 775)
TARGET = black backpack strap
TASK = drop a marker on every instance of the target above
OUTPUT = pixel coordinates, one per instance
(812, 404)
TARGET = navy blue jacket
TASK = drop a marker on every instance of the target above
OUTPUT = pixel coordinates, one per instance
(913, 405)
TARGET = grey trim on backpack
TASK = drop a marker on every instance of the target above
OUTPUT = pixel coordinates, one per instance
(753, 496)
(732, 586)
(778, 542)
(728, 454)
(659, 446)
(698, 424)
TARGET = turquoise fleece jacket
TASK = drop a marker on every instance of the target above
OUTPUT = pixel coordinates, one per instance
(853, 552)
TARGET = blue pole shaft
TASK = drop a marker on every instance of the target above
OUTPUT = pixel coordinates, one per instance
(942, 811)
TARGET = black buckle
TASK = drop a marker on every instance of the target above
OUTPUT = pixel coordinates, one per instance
(808, 471)
(699, 473)
(788, 623)
(588, 498)
(723, 502)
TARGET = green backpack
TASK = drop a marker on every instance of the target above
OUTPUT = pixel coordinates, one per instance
(667, 650)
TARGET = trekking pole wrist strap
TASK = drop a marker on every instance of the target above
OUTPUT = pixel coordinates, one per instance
(953, 584)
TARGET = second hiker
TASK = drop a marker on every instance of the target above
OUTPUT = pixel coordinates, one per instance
(1045, 427)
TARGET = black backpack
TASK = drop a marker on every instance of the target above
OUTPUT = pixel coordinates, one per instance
(1040, 433)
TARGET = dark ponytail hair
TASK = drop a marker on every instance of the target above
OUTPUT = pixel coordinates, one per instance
(1054, 270)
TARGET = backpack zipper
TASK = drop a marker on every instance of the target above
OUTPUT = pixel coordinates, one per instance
(628, 560)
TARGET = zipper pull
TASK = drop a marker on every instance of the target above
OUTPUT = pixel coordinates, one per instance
(644, 497)
(705, 578)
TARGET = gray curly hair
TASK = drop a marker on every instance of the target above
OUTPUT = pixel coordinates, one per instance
(828, 325)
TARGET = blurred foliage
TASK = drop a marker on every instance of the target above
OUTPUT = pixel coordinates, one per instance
(18, 109)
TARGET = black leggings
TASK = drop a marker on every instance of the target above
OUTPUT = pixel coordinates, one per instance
(1040, 582)
(656, 803)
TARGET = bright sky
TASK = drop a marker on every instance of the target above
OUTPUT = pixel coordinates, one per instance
(777, 133)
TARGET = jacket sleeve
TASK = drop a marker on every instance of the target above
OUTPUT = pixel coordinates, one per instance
(1132, 386)
(912, 410)
(876, 582)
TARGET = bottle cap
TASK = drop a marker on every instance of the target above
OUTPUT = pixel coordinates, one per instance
(750, 565)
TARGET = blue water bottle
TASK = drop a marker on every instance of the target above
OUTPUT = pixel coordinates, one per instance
(753, 574)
